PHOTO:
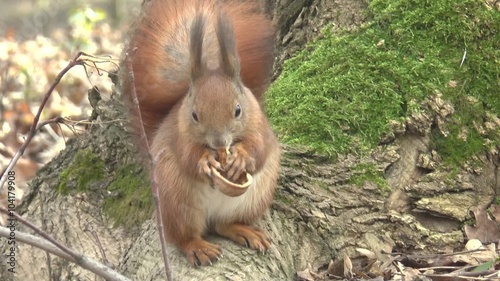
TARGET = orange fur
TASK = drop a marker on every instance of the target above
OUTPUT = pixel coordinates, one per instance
(201, 69)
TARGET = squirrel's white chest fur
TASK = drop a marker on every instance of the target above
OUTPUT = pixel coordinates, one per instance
(219, 207)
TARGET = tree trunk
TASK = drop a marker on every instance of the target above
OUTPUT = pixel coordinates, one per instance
(321, 210)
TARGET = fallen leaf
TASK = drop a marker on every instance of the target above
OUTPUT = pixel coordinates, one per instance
(473, 244)
(347, 267)
(486, 230)
(367, 253)
(335, 267)
(483, 254)
(483, 267)
(305, 275)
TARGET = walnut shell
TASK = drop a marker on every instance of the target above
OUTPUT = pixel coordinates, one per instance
(232, 189)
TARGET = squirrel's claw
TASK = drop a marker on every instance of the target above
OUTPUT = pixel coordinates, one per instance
(237, 168)
(205, 163)
(239, 162)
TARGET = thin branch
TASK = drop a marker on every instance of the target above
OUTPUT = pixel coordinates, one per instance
(85, 262)
(93, 61)
(465, 275)
(41, 233)
(82, 59)
(415, 257)
(76, 61)
(441, 268)
(50, 121)
(97, 241)
(71, 123)
(86, 122)
(150, 161)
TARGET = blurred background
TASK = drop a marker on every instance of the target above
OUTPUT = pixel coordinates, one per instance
(29, 18)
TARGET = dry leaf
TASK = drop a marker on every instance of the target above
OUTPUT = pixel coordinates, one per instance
(473, 244)
(367, 253)
(347, 267)
(486, 230)
(305, 275)
(335, 268)
(484, 254)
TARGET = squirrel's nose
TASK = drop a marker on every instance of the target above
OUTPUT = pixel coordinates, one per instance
(220, 143)
(219, 140)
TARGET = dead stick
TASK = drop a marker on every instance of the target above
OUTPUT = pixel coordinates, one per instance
(40, 232)
(33, 128)
(85, 262)
(435, 255)
(151, 163)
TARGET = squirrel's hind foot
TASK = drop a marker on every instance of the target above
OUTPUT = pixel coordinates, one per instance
(200, 252)
(245, 235)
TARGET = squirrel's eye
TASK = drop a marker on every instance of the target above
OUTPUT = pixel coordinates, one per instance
(195, 116)
(237, 112)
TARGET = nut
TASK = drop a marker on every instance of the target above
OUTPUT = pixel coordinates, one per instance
(223, 154)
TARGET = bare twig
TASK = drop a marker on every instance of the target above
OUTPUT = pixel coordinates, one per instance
(150, 161)
(41, 233)
(76, 61)
(441, 268)
(71, 123)
(50, 121)
(82, 59)
(83, 261)
(470, 275)
(415, 257)
(93, 62)
(86, 122)
(97, 241)
(48, 257)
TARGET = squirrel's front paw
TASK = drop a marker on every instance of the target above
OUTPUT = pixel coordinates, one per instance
(239, 162)
(208, 160)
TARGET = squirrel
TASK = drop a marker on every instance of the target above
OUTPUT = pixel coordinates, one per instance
(200, 72)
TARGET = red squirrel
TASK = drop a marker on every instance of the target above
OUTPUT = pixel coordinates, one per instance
(201, 69)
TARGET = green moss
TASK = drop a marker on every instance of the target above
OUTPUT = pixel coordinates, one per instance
(282, 198)
(313, 102)
(338, 95)
(454, 149)
(131, 202)
(321, 184)
(85, 169)
(369, 173)
(497, 200)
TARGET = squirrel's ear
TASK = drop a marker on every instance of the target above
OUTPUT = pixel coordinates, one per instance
(196, 46)
(228, 58)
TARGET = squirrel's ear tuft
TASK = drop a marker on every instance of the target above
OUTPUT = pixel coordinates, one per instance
(196, 46)
(228, 58)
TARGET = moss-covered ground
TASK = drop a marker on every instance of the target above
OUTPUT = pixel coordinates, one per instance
(127, 201)
(133, 203)
(85, 169)
(363, 173)
(339, 94)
